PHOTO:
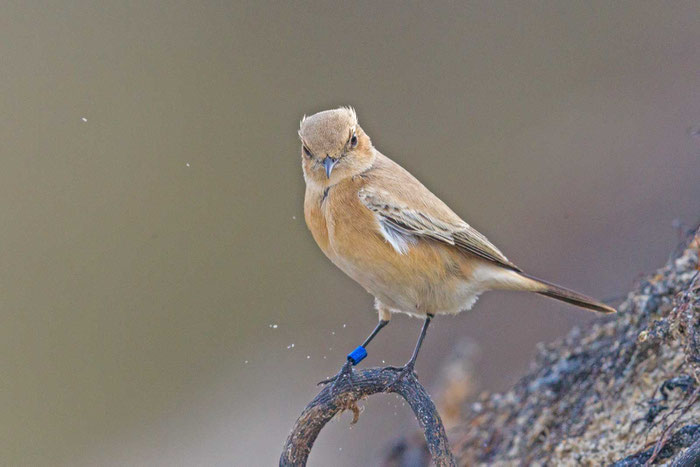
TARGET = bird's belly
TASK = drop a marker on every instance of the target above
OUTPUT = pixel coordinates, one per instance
(427, 279)
(444, 298)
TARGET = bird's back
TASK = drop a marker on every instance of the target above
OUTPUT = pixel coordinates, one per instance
(388, 176)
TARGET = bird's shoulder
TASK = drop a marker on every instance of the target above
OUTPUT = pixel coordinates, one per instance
(387, 183)
(401, 200)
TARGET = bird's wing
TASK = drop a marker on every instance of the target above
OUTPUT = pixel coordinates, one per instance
(439, 223)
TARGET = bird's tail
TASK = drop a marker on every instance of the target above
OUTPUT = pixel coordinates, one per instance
(569, 296)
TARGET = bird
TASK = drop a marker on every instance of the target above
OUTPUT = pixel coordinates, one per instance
(383, 228)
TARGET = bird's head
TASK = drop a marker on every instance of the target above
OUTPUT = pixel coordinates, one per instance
(333, 147)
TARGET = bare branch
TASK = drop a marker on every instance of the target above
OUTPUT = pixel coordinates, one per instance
(344, 393)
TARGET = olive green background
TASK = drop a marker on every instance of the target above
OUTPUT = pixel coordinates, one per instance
(145, 253)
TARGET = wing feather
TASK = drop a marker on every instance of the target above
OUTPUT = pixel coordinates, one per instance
(413, 222)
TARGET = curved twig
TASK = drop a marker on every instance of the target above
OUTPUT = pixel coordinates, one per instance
(345, 392)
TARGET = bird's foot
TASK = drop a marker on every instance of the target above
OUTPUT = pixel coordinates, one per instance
(345, 374)
(402, 371)
(354, 357)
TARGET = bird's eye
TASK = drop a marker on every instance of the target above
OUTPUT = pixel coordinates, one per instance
(353, 141)
(307, 152)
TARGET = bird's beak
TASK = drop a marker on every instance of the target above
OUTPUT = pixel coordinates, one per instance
(329, 163)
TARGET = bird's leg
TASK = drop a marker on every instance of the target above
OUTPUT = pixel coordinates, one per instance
(359, 354)
(412, 362)
(356, 355)
(408, 367)
(380, 325)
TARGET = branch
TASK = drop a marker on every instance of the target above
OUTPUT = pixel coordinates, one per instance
(344, 393)
(689, 457)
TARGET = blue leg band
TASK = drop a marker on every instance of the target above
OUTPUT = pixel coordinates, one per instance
(357, 355)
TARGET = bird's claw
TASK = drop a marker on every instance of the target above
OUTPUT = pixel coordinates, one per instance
(344, 373)
(403, 371)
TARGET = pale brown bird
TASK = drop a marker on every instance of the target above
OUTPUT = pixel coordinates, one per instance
(388, 232)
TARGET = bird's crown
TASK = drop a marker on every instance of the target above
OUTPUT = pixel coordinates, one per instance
(328, 131)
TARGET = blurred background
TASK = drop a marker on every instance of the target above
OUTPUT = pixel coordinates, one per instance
(161, 300)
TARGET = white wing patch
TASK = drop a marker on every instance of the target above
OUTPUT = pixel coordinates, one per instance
(400, 241)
